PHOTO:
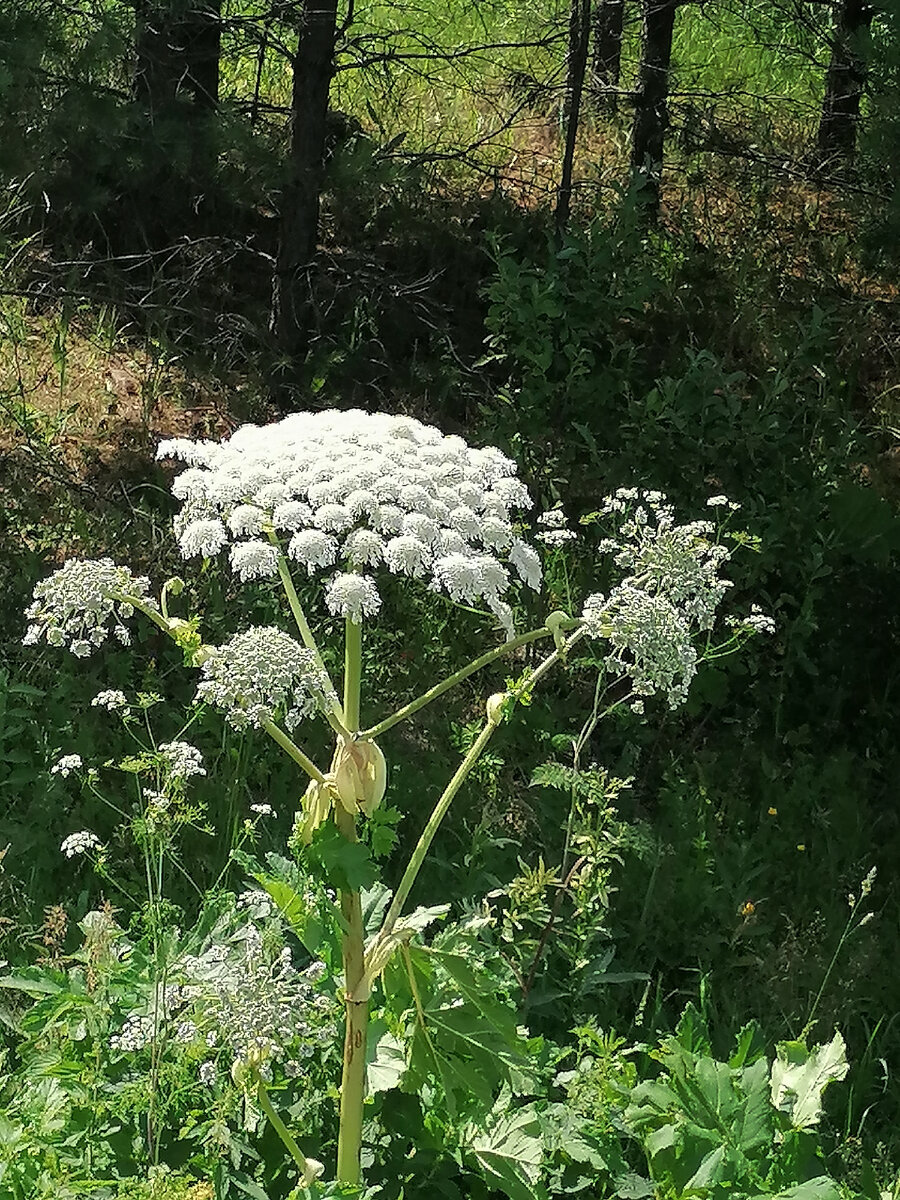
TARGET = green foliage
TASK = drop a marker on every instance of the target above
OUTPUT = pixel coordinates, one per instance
(741, 1128)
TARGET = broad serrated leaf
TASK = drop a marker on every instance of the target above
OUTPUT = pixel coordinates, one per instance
(509, 1150)
(346, 865)
(386, 1059)
(32, 984)
(634, 1187)
(799, 1077)
(749, 1046)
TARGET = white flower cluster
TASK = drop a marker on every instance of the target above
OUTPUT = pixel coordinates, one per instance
(555, 530)
(756, 622)
(79, 604)
(672, 589)
(135, 1034)
(182, 760)
(112, 700)
(257, 903)
(357, 490)
(263, 810)
(157, 802)
(679, 562)
(252, 1000)
(66, 765)
(79, 843)
(260, 674)
(722, 502)
(651, 641)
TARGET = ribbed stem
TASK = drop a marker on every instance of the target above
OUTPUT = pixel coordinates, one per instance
(287, 744)
(309, 1166)
(447, 796)
(352, 673)
(458, 676)
(353, 1076)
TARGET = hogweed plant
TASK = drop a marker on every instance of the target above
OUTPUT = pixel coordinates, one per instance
(348, 497)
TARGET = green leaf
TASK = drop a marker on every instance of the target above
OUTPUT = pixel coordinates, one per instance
(799, 1077)
(509, 1150)
(691, 1031)
(31, 985)
(346, 865)
(820, 1188)
(634, 1187)
(749, 1046)
(386, 1059)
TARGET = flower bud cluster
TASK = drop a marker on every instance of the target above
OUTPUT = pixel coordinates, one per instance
(262, 674)
(357, 490)
(650, 641)
(81, 603)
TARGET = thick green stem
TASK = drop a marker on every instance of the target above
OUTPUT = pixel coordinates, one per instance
(434, 821)
(352, 673)
(446, 799)
(309, 1166)
(291, 747)
(458, 676)
(356, 999)
(306, 633)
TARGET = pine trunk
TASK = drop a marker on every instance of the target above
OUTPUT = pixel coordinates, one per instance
(292, 295)
(177, 50)
(651, 114)
(844, 83)
(608, 21)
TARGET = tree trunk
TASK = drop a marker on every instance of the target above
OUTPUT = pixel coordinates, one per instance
(608, 20)
(292, 293)
(844, 83)
(651, 114)
(579, 34)
(177, 46)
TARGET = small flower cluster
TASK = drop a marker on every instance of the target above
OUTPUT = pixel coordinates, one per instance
(66, 765)
(357, 490)
(650, 639)
(260, 674)
(678, 562)
(135, 1034)
(79, 843)
(240, 996)
(252, 1001)
(756, 622)
(257, 903)
(554, 529)
(672, 588)
(112, 700)
(182, 760)
(81, 603)
(263, 810)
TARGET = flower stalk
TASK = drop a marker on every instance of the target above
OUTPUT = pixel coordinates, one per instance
(353, 1075)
